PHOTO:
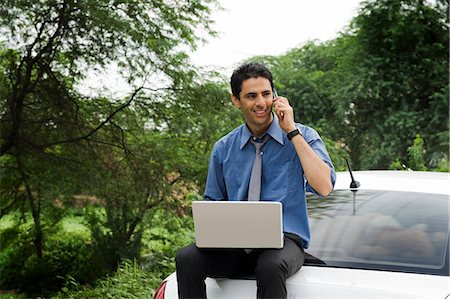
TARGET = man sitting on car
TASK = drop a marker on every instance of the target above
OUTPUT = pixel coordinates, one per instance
(295, 161)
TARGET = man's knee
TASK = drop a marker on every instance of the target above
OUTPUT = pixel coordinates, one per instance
(185, 257)
(270, 266)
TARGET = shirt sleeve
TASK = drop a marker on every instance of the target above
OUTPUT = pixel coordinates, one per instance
(215, 183)
(317, 144)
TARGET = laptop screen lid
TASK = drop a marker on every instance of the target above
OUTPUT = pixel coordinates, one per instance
(238, 224)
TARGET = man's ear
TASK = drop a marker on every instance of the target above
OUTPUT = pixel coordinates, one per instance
(236, 101)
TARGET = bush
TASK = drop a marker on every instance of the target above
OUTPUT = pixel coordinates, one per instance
(169, 231)
(66, 252)
(129, 281)
(416, 154)
(16, 249)
(337, 154)
(416, 159)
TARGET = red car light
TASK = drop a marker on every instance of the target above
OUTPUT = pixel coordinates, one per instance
(159, 294)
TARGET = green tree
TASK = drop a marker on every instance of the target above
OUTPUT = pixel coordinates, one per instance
(52, 137)
(163, 156)
(54, 38)
(398, 73)
(378, 84)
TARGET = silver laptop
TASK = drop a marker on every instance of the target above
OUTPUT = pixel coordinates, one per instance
(238, 224)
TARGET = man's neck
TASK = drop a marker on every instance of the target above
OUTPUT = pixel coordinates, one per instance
(259, 132)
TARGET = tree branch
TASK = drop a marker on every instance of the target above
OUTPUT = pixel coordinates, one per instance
(5, 210)
(102, 124)
(22, 85)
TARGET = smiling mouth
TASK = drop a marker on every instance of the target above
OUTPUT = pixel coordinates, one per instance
(260, 112)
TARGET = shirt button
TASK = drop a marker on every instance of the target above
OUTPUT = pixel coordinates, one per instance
(254, 138)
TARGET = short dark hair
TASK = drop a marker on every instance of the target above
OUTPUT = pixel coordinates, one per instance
(247, 71)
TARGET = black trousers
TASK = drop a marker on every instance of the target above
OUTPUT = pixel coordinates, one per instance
(270, 266)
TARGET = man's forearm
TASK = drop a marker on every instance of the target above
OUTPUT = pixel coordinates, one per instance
(317, 172)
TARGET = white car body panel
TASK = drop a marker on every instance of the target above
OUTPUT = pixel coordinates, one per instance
(412, 181)
(313, 282)
(319, 282)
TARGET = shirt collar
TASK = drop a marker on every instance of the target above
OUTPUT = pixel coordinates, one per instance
(274, 131)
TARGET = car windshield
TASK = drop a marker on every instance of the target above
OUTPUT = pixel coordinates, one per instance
(382, 230)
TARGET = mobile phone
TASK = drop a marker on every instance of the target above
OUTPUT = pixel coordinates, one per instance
(275, 95)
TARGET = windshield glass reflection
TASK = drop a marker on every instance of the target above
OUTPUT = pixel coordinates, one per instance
(380, 230)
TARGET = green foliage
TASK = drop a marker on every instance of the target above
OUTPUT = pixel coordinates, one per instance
(337, 153)
(416, 159)
(196, 117)
(141, 35)
(13, 295)
(396, 165)
(129, 281)
(67, 251)
(400, 63)
(16, 245)
(168, 232)
(63, 149)
(71, 261)
(89, 184)
(416, 154)
(443, 165)
(376, 85)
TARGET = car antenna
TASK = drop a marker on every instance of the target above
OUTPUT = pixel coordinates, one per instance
(354, 184)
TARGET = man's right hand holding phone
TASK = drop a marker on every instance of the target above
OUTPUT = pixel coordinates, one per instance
(284, 112)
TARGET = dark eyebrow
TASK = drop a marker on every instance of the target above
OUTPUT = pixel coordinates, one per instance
(255, 93)
(250, 94)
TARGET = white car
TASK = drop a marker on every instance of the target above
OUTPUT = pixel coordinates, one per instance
(389, 238)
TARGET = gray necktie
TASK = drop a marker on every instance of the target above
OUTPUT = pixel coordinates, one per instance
(254, 188)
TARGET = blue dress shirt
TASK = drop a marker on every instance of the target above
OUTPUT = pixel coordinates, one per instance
(282, 178)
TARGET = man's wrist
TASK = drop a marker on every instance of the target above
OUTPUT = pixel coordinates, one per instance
(294, 133)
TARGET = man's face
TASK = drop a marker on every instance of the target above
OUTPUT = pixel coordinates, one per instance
(255, 102)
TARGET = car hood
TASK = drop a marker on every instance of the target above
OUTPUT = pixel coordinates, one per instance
(322, 282)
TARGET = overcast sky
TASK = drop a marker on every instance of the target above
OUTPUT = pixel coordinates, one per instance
(252, 27)
(268, 27)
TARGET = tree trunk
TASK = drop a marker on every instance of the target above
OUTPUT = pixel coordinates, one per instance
(35, 205)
